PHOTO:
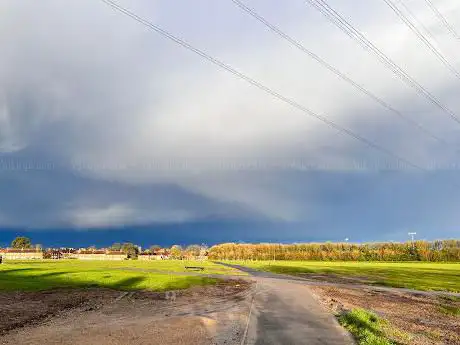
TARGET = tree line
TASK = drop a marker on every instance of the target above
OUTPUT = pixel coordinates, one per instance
(132, 250)
(22, 242)
(176, 251)
(434, 251)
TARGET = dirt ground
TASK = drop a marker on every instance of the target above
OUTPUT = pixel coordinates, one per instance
(200, 315)
(422, 318)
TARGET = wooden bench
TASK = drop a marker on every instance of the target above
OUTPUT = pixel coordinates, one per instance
(196, 268)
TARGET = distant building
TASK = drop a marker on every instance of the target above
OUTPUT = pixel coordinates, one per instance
(55, 254)
(89, 255)
(148, 256)
(162, 254)
(21, 254)
(58, 253)
(116, 255)
(67, 253)
(99, 255)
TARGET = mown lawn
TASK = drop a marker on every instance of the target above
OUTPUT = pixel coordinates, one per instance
(412, 275)
(123, 275)
(154, 265)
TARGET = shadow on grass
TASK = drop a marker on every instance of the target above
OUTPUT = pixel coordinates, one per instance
(127, 283)
(37, 279)
(29, 279)
(18, 270)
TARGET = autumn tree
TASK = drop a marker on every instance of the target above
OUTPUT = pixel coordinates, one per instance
(21, 242)
(155, 248)
(116, 246)
(130, 249)
(193, 250)
(176, 251)
(446, 250)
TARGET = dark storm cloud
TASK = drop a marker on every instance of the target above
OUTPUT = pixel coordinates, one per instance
(139, 131)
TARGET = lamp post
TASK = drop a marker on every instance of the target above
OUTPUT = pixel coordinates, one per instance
(412, 235)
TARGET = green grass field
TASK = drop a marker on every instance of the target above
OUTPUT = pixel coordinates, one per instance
(123, 275)
(366, 327)
(412, 275)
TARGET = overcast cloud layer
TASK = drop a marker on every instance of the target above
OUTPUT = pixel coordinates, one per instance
(105, 123)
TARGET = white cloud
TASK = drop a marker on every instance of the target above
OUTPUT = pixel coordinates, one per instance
(85, 85)
(112, 214)
(121, 214)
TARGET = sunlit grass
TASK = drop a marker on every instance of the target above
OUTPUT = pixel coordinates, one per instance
(412, 275)
(366, 327)
(449, 310)
(125, 275)
(153, 265)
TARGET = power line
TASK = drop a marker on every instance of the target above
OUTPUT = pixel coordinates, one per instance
(419, 22)
(260, 86)
(333, 69)
(443, 19)
(335, 18)
(422, 37)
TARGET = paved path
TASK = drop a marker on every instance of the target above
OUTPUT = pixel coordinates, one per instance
(283, 312)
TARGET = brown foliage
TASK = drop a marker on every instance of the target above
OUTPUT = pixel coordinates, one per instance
(445, 250)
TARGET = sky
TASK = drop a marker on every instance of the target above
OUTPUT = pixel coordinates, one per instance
(111, 132)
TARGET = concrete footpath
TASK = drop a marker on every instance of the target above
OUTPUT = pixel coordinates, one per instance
(285, 312)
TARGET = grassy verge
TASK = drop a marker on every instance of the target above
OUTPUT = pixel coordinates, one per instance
(366, 327)
(42, 275)
(154, 265)
(449, 305)
(450, 310)
(412, 275)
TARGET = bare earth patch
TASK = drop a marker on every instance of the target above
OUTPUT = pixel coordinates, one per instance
(414, 319)
(18, 309)
(200, 315)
